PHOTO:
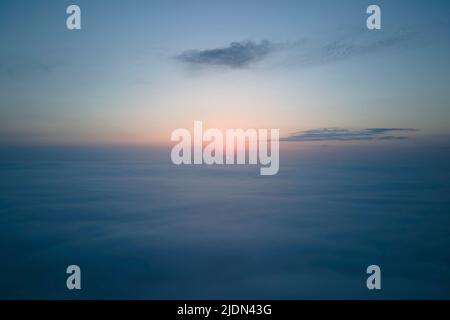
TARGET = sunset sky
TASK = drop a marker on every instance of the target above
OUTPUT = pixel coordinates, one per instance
(140, 69)
(89, 177)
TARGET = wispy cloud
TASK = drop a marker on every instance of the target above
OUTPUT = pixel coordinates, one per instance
(349, 47)
(305, 52)
(21, 66)
(342, 134)
(236, 55)
(315, 53)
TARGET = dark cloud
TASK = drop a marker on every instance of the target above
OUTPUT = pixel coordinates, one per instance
(342, 134)
(236, 55)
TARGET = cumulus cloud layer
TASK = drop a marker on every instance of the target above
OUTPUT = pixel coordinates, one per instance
(236, 55)
(342, 134)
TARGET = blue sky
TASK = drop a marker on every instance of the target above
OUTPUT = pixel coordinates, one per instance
(124, 78)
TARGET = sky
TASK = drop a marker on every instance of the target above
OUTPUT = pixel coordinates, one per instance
(372, 108)
(140, 69)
